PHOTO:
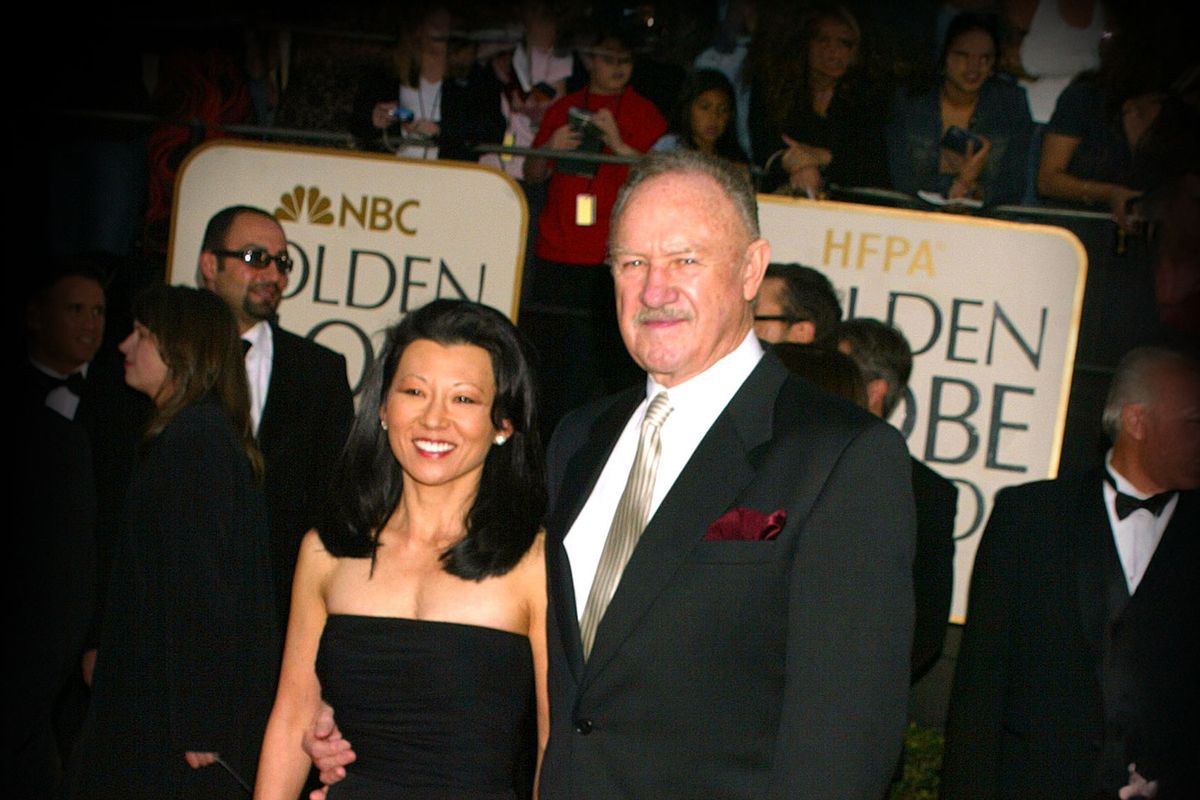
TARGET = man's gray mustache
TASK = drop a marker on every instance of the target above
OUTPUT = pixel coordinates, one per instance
(661, 315)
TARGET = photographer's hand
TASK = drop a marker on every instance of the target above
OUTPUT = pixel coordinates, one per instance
(381, 115)
(966, 184)
(423, 127)
(564, 139)
(606, 123)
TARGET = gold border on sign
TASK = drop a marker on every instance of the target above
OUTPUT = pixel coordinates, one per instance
(382, 158)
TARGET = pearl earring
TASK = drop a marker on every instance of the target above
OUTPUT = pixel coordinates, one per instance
(383, 424)
(500, 439)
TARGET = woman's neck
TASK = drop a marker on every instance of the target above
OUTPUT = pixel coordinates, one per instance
(819, 82)
(957, 98)
(433, 68)
(434, 515)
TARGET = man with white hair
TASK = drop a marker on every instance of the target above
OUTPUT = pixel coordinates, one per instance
(1079, 672)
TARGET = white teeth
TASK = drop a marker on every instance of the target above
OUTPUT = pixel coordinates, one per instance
(434, 447)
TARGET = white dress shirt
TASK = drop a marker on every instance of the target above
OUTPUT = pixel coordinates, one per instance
(61, 399)
(425, 101)
(258, 368)
(1137, 536)
(695, 405)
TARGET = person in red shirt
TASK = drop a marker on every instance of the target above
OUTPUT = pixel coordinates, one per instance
(570, 315)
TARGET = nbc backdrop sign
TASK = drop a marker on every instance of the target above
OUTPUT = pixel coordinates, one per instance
(372, 236)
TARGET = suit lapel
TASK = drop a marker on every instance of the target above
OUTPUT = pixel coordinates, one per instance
(277, 388)
(1172, 553)
(1102, 592)
(717, 472)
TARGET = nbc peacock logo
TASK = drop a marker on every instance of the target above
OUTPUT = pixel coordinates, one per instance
(300, 201)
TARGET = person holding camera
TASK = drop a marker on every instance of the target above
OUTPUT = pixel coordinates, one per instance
(444, 102)
(571, 316)
(968, 137)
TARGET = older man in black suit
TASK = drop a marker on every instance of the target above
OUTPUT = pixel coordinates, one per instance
(729, 550)
(1079, 672)
(300, 400)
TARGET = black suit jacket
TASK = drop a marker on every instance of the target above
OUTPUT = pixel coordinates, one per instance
(1063, 678)
(933, 566)
(732, 668)
(303, 427)
(113, 416)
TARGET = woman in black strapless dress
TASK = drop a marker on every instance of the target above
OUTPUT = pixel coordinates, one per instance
(419, 605)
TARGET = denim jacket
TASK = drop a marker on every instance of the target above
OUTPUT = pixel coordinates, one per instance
(914, 138)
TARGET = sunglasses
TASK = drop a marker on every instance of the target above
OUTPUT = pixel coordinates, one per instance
(259, 258)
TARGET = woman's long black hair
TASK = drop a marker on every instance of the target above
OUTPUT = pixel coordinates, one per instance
(367, 482)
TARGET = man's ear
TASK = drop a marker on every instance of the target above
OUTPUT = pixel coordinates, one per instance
(758, 256)
(208, 267)
(1133, 420)
(877, 389)
(802, 332)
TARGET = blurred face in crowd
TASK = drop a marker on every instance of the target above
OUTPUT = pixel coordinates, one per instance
(769, 303)
(685, 271)
(969, 61)
(67, 325)
(1167, 429)
(252, 293)
(434, 34)
(710, 113)
(611, 66)
(832, 50)
(145, 369)
(438, 413)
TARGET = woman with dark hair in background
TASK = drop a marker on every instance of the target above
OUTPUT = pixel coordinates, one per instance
(188, 647)
(1093, 153)
(968, 136)
(704, 118)
(810, 106)
(419, 607)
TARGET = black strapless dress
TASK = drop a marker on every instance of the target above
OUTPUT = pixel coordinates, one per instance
(433, 710)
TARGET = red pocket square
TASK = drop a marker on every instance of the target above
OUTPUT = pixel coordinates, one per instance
(746, 525)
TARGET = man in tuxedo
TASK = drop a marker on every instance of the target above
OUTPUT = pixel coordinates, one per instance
(1079, 671)
(64, 319)
(885, 360)
(56, 501)
(300, 402)
(728, 549)
(80, 424)
(797, 304)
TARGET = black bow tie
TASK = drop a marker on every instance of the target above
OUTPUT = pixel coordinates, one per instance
(1127, 504)
(74, 383)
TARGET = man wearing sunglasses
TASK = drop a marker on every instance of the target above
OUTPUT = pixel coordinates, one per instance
(300, 401)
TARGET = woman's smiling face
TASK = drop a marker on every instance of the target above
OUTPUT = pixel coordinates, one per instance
(438, 412)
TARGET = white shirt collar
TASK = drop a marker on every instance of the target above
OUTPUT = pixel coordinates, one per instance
(39, 366)
(258, 335)
(712, 389)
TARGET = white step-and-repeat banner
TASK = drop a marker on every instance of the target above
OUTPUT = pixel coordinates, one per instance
(991, 308)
